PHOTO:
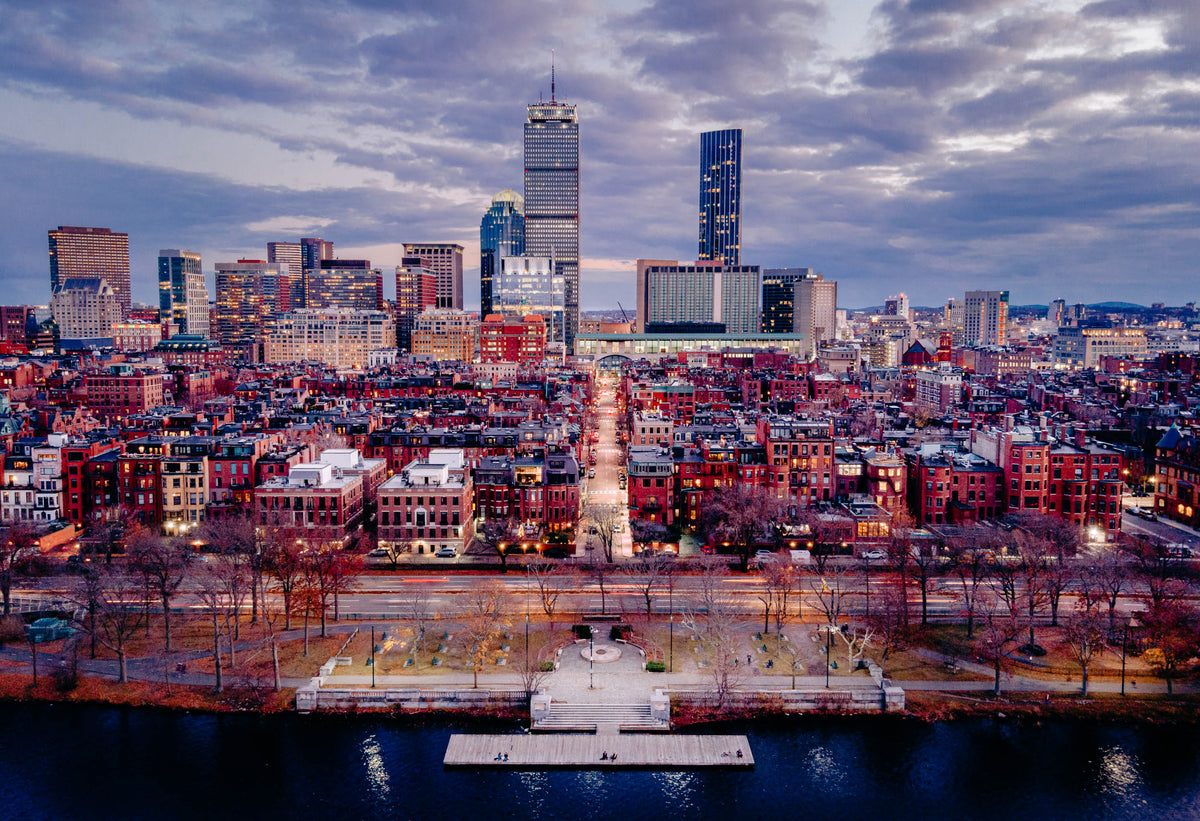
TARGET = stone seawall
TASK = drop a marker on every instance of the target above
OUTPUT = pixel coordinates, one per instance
(849, 699)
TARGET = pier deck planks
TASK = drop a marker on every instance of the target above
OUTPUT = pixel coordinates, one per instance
(580, 750)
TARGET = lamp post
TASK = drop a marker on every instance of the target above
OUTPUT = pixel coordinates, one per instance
(372, 658)
(828, 636)
(1124, 650)
(527, 662)
(671, 599)
(591, 656)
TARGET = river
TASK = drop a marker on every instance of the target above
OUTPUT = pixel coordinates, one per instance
(82, 762)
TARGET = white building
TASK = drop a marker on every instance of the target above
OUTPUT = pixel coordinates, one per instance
(85, 308)
(1079, 347)
(338, 337)
(699, 293)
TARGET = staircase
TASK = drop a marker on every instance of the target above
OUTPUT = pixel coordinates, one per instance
(603, 719)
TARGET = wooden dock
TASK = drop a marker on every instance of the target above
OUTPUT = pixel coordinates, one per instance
(586, 751)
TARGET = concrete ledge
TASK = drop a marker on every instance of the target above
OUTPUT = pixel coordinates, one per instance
(858, 699)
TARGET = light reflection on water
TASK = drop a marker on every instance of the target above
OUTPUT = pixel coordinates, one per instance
(376, 770)
(679, 788)
(822, 765)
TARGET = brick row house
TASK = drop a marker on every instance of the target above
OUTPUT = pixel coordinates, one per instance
(428, 505)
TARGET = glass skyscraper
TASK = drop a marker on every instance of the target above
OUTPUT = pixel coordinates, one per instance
(552, 196)
(721, 196)
(532, 285)
(182, 294)
(501, 234)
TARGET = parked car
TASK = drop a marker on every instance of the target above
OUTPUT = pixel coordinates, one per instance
(446, 553)
(874, 555)
(591, 473)
(378, 553)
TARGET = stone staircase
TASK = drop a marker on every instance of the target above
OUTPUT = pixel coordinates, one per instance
(603, 719)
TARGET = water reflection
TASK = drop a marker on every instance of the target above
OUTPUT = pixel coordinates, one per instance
(377, 774)
(679, 788)
(1120, 773)
(823, 766)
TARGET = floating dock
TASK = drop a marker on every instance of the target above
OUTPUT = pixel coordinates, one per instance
(585, 751)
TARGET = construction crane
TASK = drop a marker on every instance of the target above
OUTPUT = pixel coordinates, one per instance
(624, 315)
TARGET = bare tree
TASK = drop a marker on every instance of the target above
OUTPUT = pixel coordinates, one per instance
(1031, 570)
(727, 672)
(779, 580)
(1000, 630)
(17, 546)
(833, 590)
(927, 564)
(484, 620)
(857, 638)
(969, 563)
(164, 564)
(1155, 567)
(229, 579)
(416, 607)
(646, 577)
(740, 515)
(887, 629)
(1173, 638)
(604, 519)
(1004, 576)
(284, 565)
(600, 572)
(119, 615)
(236, 535)
(1085, 638)
(393, 550)
(900, 556)
(552, 580)
(1111, 576)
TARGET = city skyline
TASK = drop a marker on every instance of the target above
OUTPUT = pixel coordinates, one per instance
(941, 147)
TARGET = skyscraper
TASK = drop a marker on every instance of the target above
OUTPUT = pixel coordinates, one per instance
(182, 293)
(552, 195)
(416, 292)
(721, 196)
(532, 285)
(798, 300)
(91, 252)
(985, 317)
(290, 254)
(312, 251)
(345, 283)
(501, 234)
(250, 293)
(445, 259)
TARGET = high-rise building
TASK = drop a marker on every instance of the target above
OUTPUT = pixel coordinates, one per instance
(416, 292)
(531, 285)
(446, 335)
(85, 308)
(182, 292)
(344, 283)
(697, 296)
(501, 234)
(250, 293)
(985, 317)
(312, 251)
(91, 252)
(721, 196)
(337, 337)
(290, 254)
(798, 300)
(445, 259)
(552, 196)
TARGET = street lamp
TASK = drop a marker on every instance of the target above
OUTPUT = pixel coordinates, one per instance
(828, 637)
(591, 656)
(372, 662)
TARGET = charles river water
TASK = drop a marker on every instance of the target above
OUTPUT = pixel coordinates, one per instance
(79, 762)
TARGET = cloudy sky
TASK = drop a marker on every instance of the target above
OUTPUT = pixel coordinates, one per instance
(1049, 147)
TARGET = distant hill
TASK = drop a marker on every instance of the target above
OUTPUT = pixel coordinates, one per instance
(1116, 306)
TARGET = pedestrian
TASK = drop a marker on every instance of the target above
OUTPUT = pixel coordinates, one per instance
(1047, 701)
(614, 757)
(748, 658)
(604, 756)
(506, 756)
(739, 753)
(499, 757)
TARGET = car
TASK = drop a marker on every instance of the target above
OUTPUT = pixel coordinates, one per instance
(592, 474)
(446, 553)
(378, 553)
(874, 555)
(618, 527)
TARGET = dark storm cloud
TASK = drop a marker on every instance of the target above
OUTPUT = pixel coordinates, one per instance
(976, 142)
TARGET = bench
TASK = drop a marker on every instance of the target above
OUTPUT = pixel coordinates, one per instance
(602, 617)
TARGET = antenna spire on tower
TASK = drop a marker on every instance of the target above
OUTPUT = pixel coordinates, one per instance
(552, 101)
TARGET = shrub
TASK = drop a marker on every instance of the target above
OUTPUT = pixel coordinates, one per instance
(582, 631)
(12, 629)
(656, 667)
(546, 667)
(619, 631)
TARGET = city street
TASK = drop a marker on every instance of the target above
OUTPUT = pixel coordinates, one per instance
(604, 488)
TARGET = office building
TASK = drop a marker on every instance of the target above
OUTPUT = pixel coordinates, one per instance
(344, 283)
(91, 252)
(445, 259)
(337, 337)
(416, 291)
(985, 318)
(552, 196)
(250, 293)
(897, 305)
(532, 285)
(446, 335)
(85, 309)
(291, 255)
(137, 336)
(698, 296)
(312, 251)
(182, 292)
(501, 234)
(1083, 345)
(721, 196)
(798, 300)
(520, 339)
